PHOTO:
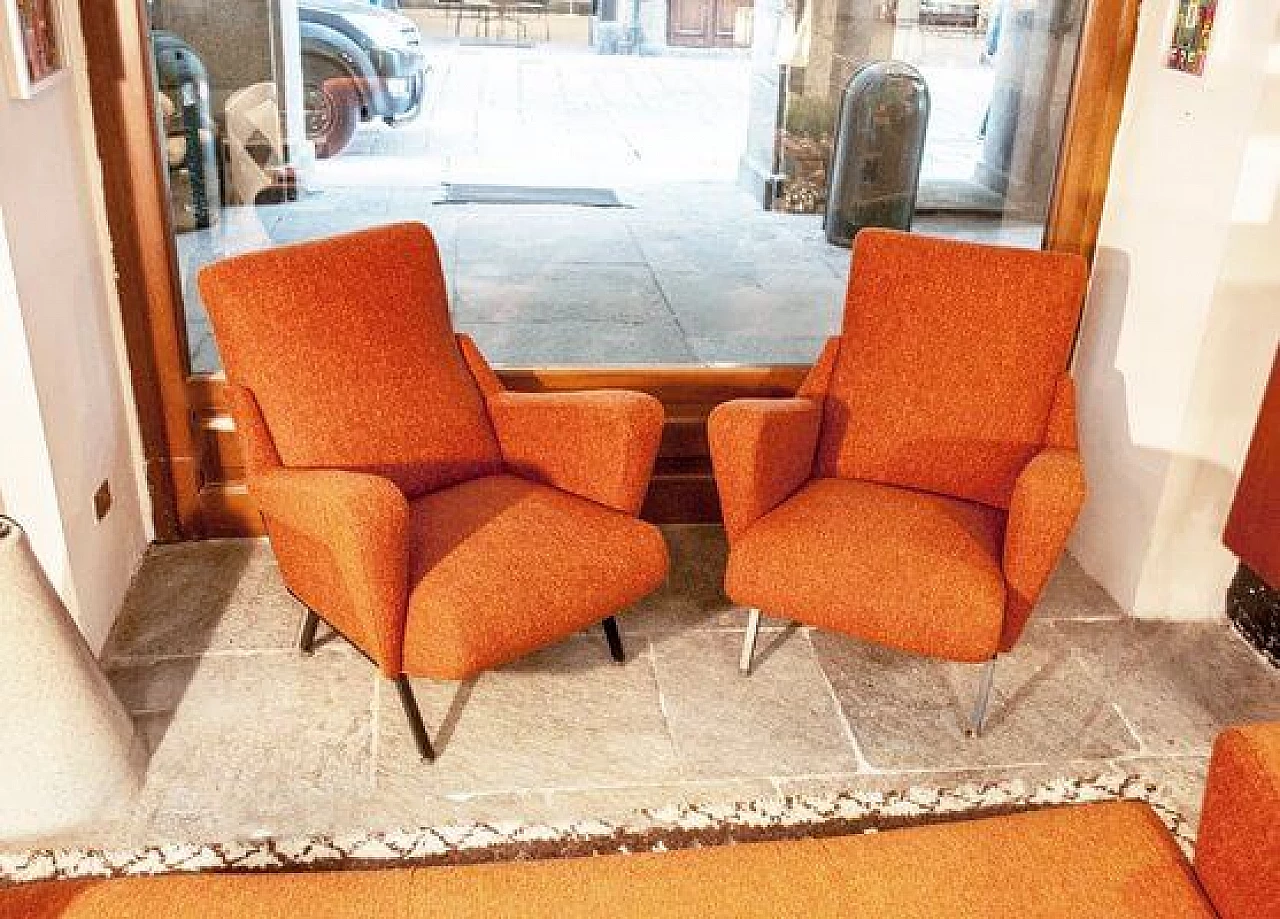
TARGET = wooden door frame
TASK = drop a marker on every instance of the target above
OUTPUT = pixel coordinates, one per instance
(184, 419)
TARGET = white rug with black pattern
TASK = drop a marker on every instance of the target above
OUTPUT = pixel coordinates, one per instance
(657, 829)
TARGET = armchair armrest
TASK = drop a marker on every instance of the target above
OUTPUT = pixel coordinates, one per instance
(363, 521)
(600, 445)
(1046, 501)
(762, 451)
(1238, 850)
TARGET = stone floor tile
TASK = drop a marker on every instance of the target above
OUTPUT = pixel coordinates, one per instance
(243, 744)
(385, 811)
(217, 595)
(521, 237)
(882, 782)
(711, 304)
(1181, 779)
(579, 344)
(625, 801)
(591, 293)
(780, 720)
(564, 718)
(1177, 683)
(249, 737)
(1072, 594)
(733, 348)
(912, 712)
(296, 228)
(693, 595)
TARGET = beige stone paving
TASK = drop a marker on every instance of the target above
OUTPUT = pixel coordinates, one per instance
(250, 738)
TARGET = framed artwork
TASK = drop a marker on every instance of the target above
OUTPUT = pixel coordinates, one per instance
(34, 53)
(1191, 30)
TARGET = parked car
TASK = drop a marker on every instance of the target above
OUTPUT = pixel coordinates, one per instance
(360, 61)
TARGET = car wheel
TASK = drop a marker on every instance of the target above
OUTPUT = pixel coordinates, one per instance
(332, 105)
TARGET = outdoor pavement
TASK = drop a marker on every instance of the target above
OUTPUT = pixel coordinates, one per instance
(695, 274)
(691, 271)
(247, 737)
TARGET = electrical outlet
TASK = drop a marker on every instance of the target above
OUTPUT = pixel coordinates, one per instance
(102, 500)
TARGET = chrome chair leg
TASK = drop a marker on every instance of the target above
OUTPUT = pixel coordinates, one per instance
(984, 696)
(749, 641)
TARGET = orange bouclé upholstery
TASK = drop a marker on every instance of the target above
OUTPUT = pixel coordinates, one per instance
(481, 372)
(440, 523)
(818, 379)
(599, 445)
(260, 454)
(541, 564)
(354, 525)
(949, 362)
(1061, 429)
(1238, 849)
(945, 479)
(761, 451)
(894, 566)
(1046, 502)
(346, 345)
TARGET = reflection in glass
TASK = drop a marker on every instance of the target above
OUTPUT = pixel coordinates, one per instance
(287, 120)
(999, 75)
(879, 145)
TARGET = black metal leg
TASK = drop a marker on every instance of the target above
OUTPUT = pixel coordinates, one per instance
(416, 726)
(615, 640)
(307, 634)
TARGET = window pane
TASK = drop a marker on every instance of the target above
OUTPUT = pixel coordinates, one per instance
(629, 183)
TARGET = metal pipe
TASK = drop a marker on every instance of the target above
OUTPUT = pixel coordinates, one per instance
(749, 641)
(984, 695)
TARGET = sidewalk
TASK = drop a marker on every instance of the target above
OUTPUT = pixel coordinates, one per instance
(692, 271)
(690, 274)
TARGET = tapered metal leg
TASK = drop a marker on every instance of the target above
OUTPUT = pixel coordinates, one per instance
(615, 641)
(984, 695)
(411, 711)
(307, 634)
(749, 641)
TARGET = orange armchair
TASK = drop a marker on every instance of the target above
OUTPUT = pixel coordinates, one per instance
(440, 524)
(920, 487)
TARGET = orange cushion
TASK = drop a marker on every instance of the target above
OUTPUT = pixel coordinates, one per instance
(948, 364)
(1238, 852)
(502, 566)
(1100, 861)
(904, 568)
(347, 347)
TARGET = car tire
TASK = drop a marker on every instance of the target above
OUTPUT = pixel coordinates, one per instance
(331, 102)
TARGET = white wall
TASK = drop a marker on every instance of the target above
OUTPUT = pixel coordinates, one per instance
(66, 415)
(1183, 314)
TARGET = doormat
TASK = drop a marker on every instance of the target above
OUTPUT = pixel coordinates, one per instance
(530, 194)
(681, 826)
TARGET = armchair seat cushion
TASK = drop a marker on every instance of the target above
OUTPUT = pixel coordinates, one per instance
(904, 568)
(500, 566)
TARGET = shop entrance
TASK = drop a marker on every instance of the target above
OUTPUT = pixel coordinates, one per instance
(593, 193)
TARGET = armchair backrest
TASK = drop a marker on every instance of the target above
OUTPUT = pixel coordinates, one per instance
(948, 363)
(347, 347)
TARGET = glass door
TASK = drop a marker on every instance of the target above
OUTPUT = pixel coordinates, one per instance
(636, 253)
(999, 75)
